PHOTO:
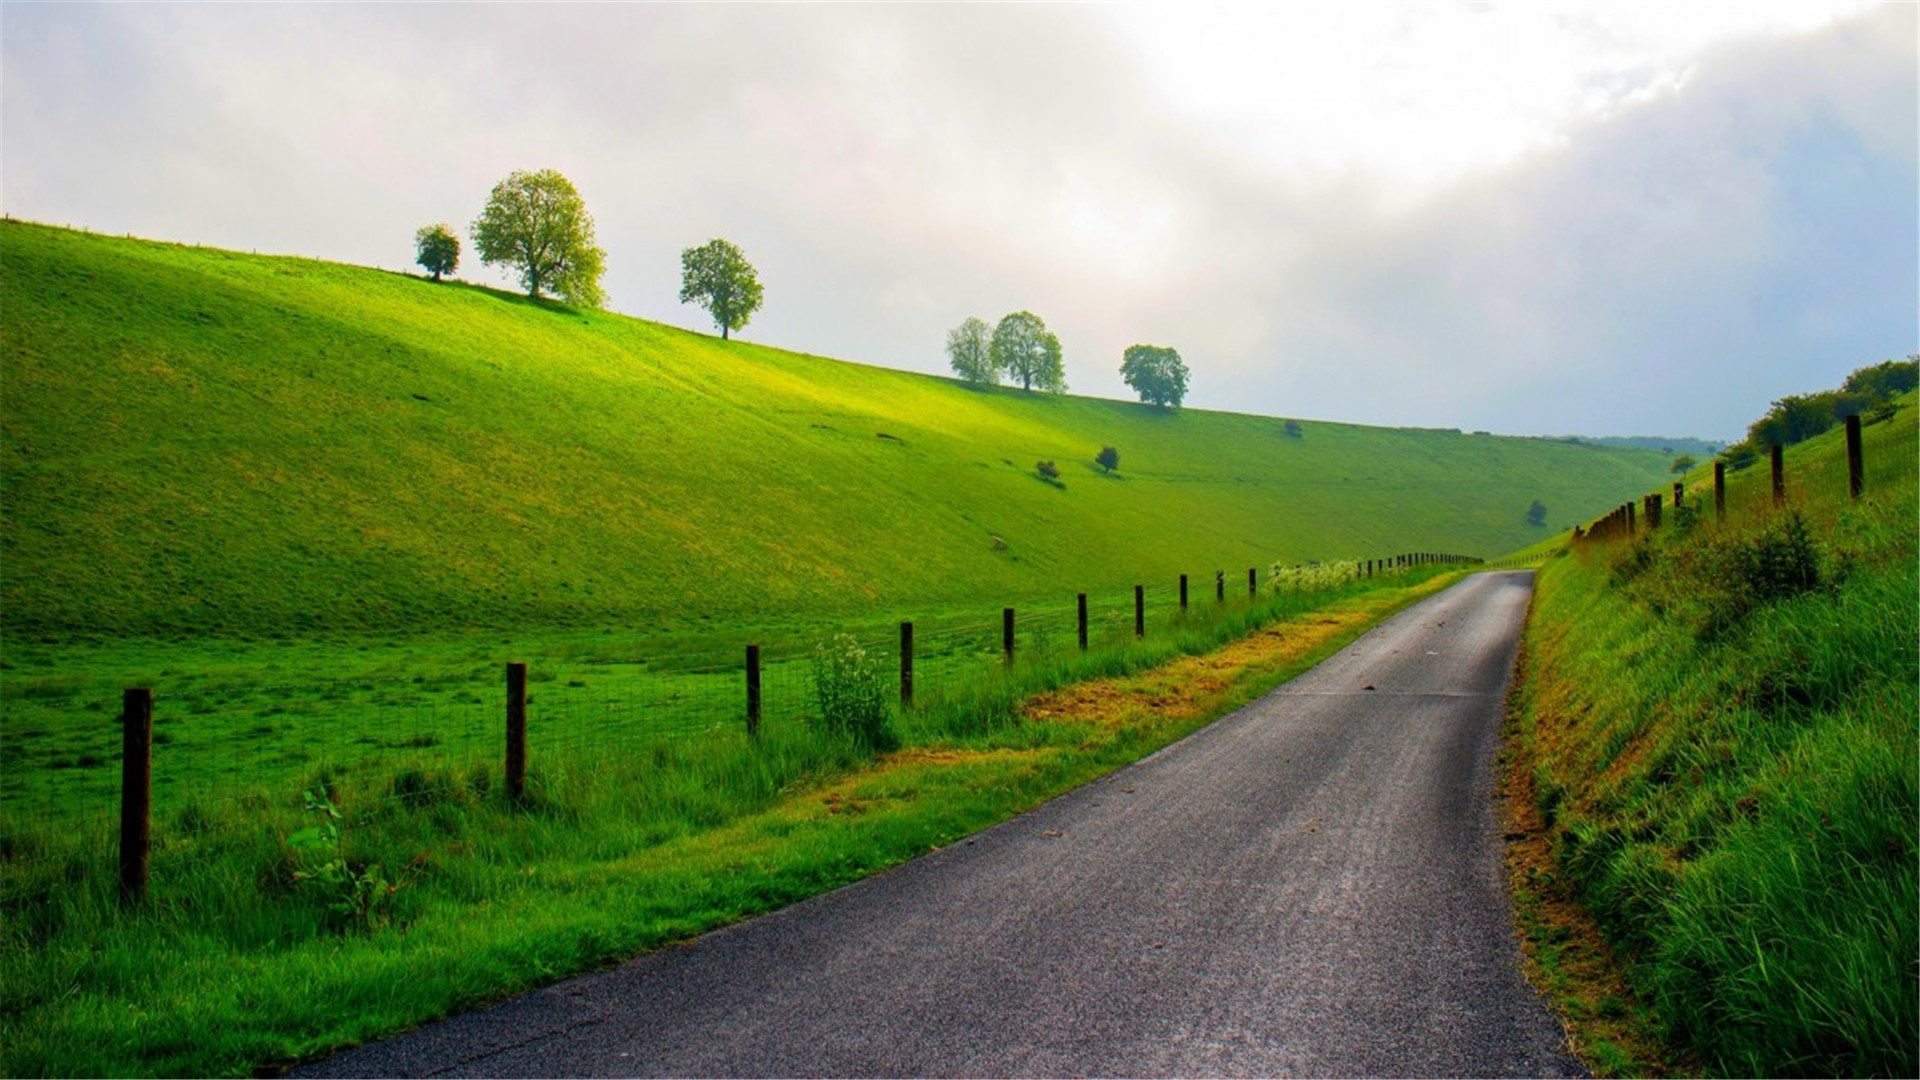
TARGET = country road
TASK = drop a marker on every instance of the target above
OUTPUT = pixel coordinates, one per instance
(1310, 886)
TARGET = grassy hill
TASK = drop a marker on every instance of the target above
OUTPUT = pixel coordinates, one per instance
(199, 441)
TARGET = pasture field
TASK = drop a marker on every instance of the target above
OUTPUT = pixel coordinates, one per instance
(627, 841)
(201, 443)
(1715, 730)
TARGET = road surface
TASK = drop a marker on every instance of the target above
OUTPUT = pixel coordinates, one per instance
(1310, 886)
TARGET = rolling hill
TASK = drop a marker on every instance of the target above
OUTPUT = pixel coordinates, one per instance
(200, 441)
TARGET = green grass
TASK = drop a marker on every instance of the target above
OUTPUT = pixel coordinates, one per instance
(1719, 719)
(202, 442)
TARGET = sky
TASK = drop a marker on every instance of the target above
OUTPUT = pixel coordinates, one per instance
(1645, 218)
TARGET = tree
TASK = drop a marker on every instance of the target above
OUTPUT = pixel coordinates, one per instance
(970, 350)
(537, 224)
(1048, 471)
(719, 278)
(1108, 459)
(1683, 463)
(1537, 513)
(436, 249)
(1293, 429)
(1024, 349)
(1156, 373)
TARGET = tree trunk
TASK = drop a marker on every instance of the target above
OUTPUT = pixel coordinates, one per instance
(723, 331)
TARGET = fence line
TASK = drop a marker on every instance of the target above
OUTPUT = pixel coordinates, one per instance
(667, 701)
(1623, 523)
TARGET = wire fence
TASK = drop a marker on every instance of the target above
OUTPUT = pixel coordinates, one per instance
(226, 752)
(1818, 477)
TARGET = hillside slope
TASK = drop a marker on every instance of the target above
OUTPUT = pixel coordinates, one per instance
(196, 440)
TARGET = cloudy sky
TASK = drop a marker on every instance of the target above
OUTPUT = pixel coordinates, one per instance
(1528, 218)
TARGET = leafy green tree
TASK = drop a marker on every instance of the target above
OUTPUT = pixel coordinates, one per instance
(436, 249)
(1024, 349)
(1156, 373)
(1293, 430)
(970, 350)
(536, 223)
(1885, 379)
(1683, 463)
(1537, 513)
(1048, 471)
(719, 278)
(1108, 459)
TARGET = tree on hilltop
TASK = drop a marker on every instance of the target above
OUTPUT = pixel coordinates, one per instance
(536, 223)
(1024, 349)
(436, 249)
(719, 278)
(1156, 373)
(970, 351)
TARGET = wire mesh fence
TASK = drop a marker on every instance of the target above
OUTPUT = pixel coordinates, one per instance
(233, 755)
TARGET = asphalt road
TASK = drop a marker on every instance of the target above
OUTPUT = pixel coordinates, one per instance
(1310, 886)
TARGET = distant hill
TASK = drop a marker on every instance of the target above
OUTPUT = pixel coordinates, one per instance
(195, 440)
(1671, 445)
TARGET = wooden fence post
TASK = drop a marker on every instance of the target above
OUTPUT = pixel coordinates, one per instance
(1006, 633)
(1253, 581)
(1219, 586)
(1679, 490)
(1139, 611)
(1779, 456)
(1082, 604)
(753, 691)
(136, 791)
(1856, 469)
(1719, 489)
(1183, 594)
(1629, 505)
(516, 732)
(906, 665)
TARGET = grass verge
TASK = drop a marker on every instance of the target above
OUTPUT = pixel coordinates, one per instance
(1713, 781)
(240, 964)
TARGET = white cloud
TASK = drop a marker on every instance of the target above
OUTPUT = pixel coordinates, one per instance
(1523, 217)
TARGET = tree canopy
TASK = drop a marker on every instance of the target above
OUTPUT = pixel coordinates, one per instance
(436, 249)
(970, 351)
(719, 278)
(1156, 373)
(1024, 349)
(536, 223)
(1108, 459)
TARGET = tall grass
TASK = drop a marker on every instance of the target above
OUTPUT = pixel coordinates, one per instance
(1720, 720)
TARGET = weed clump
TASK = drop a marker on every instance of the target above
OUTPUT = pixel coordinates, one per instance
(850, 695)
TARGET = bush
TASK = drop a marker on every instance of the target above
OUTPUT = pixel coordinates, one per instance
(850, 694)
(1048, 471)
(1778, 562)
(1108, 459)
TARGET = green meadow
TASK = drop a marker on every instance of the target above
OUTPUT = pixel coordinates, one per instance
(198, 442)
(1716, 721)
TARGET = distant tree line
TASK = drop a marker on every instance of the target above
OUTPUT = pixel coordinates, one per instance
(536, 225)
(1868, 393)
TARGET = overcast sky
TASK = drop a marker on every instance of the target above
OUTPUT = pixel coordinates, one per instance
(1533, 219)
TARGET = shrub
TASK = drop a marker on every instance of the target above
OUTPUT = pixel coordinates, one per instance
(1777, 562)
(1048, 471)
(850, 694)
(1108, 459)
